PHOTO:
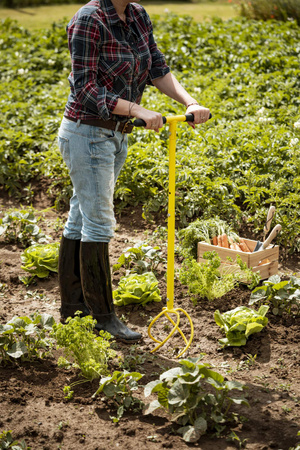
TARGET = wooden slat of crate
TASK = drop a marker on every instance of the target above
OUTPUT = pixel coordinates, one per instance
(270, 253)
(251, 259)
(222, 252)
(266, 270)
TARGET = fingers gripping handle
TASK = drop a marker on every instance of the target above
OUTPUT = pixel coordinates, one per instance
(142, 123)
(190, 117)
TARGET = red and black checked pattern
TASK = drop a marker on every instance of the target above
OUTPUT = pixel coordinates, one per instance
(111, 59)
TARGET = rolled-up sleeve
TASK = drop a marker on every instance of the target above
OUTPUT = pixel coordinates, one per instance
(84, 40)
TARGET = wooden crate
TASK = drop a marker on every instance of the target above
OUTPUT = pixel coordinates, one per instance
(251, 259)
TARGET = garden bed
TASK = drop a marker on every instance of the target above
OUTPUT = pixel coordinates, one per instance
(32, 399)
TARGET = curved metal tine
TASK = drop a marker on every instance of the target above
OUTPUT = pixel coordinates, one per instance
(192, 332)
(178, 328)
(151, 325)
(161, 343)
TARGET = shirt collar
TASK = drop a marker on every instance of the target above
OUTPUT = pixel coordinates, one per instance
(109, 10)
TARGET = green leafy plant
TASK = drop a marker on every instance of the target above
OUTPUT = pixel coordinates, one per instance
(283, 296)
(203, 230)
(88, 352)
(211, 280)
(140, 258)
(26, 338)
(139, 289)
(119, 388)
(40, 259)
(197, 398)
(255, 63)
(20, 226)
(233, 437)
(132, 359)
(7, 441)
(239, 323)
(69, 394)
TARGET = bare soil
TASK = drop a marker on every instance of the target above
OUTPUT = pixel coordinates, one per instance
(32, 399)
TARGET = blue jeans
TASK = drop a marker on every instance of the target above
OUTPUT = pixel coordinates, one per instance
(94, 157)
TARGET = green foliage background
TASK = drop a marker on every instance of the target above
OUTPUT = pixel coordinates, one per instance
(243, 159)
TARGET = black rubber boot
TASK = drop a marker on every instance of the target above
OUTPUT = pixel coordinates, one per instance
(97, 290)
(69, 279)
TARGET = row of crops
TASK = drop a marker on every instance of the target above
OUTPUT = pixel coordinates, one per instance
(244, 159)
(235, 166)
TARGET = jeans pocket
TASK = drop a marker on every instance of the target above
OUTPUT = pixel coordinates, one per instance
(64, 148)
(102, 147)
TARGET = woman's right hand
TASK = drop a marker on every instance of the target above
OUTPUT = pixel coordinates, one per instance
(153, 119)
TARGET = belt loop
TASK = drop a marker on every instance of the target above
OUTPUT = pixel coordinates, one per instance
(117, 126)
(78, 123)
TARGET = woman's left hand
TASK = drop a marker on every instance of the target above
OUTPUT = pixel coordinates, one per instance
(201, 114)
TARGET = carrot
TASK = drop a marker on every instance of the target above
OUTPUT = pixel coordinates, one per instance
(244, 246)
(235, 246)
(215, 240)
(219, 241)
(224, 240)
(230, 240)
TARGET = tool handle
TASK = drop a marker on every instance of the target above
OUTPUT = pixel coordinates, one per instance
(142, 123)
(270, 216)
(272, 235)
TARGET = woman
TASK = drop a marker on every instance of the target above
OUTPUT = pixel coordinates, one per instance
(114, 56)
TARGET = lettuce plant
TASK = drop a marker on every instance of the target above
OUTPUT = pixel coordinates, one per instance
(239, 323)
(40, 259)
(139, 289)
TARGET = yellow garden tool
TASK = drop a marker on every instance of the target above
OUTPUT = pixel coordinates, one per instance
(169, 310)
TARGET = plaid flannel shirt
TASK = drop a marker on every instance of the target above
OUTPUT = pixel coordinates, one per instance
(111, 59)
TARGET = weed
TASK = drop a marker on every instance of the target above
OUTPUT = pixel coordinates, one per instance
(286, 409)
(69, 394)
(7, 441)
(139, 259)
(119, 388)
(132, 360)
(233, 437)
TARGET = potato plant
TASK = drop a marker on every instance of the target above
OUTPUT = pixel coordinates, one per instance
(20, 226)
(26, 338)
(197, 398)
(283, 296)
(234, 166)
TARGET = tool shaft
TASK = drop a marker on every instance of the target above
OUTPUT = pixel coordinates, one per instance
(171, 216)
